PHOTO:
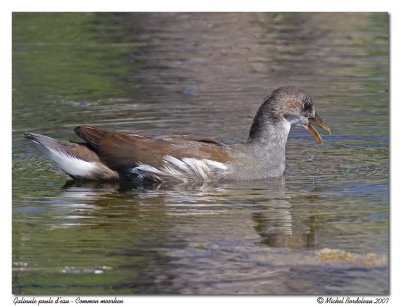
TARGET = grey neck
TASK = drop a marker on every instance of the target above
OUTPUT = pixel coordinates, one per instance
(268, 128)
(264, 152)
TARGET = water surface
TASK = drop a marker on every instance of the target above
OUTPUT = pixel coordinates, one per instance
(322, 229)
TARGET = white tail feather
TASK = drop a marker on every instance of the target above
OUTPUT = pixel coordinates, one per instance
(70, 164)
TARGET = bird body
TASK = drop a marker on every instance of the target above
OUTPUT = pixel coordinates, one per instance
(113, 155)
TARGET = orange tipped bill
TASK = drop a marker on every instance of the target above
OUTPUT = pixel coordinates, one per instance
(317, 121)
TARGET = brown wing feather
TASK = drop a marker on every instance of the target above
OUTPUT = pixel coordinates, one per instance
(190, 138)
(91, 134)
(124, 150)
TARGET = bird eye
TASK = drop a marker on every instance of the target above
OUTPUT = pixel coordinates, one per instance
(307, 105)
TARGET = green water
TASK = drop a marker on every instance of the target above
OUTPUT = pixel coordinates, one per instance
(322, 229)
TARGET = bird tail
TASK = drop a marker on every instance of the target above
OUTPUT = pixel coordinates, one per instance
(78, 160)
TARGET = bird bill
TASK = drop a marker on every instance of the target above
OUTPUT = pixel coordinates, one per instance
(317, 121)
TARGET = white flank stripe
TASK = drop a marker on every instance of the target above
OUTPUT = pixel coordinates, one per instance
(147, 168)
(176, 162)
(199, 167)
(216, 164)
(185, 169)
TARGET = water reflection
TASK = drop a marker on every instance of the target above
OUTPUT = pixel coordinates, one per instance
(185, 240)
(277, 234)
(269, 215)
